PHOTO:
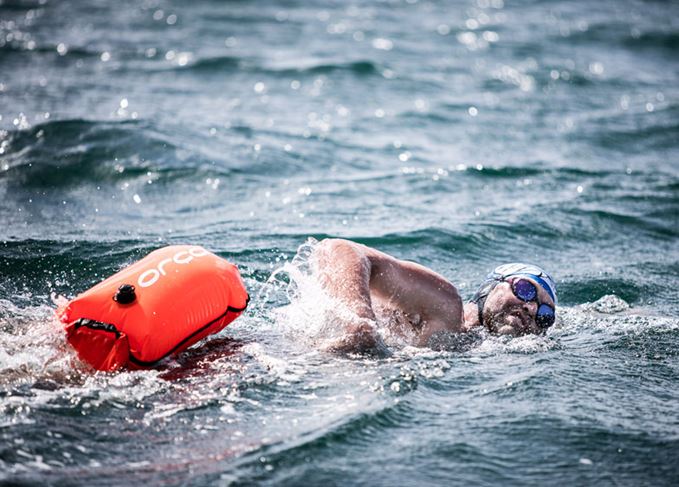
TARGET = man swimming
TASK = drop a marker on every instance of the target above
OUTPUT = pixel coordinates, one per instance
(414, 301)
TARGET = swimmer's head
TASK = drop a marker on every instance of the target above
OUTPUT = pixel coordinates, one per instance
(516, 299)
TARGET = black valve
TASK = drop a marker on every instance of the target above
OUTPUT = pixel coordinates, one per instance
(125, 294)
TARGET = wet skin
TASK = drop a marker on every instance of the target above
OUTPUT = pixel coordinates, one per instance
(366, 280)
(506, 314)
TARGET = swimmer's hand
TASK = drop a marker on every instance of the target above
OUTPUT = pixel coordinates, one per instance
(360, 338)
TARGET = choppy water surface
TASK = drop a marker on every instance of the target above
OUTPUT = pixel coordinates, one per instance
(457, 134)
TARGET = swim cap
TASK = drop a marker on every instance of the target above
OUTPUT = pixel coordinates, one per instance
(504, 271)
(534, 272)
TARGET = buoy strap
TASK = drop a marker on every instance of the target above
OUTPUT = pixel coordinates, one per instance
(96, 325)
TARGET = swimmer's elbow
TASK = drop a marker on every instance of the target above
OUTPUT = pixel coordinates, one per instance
(337, 246)
(341, 254)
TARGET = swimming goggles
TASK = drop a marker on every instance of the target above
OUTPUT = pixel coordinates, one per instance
(526, 291)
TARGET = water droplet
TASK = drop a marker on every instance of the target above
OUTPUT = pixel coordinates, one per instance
(596, 68)
(136, 198)
(473, 111)
(383, 44)
(62, 49)
(171, 19)
(466, 38)
(490, 36)
(388, 74)
(624, 102)
(105, 56)
(472, 24)
(183, 58)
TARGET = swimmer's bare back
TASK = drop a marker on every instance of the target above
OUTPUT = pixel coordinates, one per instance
(365, 279)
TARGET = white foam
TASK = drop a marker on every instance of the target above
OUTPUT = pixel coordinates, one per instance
(31, 343)
(611, 315)
(310, 315)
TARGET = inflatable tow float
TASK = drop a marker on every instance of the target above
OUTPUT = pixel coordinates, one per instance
(155, 308)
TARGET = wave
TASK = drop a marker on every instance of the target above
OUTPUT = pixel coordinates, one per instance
(212, 64)
(616, 33)
(634, 132)
(71, 53)
(626, 222)
(654, 40)
(34, 269)
(221, 64)
(347, 434)
(21, 6)
(435, 238)
(68, 153)
(63, 154)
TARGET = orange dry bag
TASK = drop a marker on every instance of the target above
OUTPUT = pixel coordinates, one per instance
(154, 308)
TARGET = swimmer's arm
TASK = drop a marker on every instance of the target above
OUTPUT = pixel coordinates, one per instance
(351, 272)
(344, 271)
(417, 289)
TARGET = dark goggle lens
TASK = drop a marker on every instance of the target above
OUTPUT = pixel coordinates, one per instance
(524, 290)
(545, 316)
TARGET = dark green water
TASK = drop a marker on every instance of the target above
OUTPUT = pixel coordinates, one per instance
(457, 134)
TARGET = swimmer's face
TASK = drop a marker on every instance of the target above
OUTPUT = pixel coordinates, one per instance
(505, 314)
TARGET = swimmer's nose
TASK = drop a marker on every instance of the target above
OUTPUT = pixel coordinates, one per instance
(531, 307)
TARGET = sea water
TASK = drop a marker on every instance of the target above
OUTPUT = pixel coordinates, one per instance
(460, 135)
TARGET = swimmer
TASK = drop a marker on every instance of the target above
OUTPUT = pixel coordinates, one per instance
(515, 299)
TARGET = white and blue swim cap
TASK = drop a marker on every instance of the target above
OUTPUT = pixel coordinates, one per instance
(534, 272)
(538, 274)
